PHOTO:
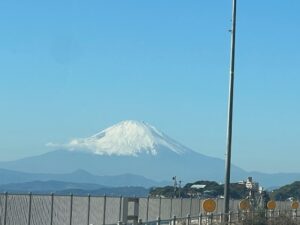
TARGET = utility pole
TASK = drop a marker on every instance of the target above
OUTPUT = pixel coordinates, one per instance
(175, 185)
(230, 112)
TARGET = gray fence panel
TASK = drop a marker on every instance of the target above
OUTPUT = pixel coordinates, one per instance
(112, 210)
(234, 205)
(130, 208)
(176, 207)
(80, 210)
(2, 208)
(284, 205)
(143, 209)
(96, 210)
(153, 208)
(220, 205)
(195, 207)
(280, 205)
(41, 210)
(186, 202)
(61, 210)
(17, 209)
(165, 208)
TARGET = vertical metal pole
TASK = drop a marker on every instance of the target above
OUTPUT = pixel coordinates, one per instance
(29, 209)
(200, 219)
(188, 219)
(104, 210)
(191, 202)
(171, 206)
(120, 208)
(5, 208)
(181, 200)
(71, 208)
(140, 221)
(159, 208)
(147, 210)
(158, 221)
(230, 113)
(51, 210)
(88, 209)
(174, 220)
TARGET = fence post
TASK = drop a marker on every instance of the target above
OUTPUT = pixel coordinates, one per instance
(171, 208)
(200, 219)
(71, 208)
(174, 220)
(104, 209)
(135, 215)
(191, 202)
(188, 220)
(51, 210)
(159, 207)
(181, 200)
(158, 221)
(120, 208)
(147, 210)
(29, 208)
(5, 208)
(88, 209)
(230, 217)
(125, 210)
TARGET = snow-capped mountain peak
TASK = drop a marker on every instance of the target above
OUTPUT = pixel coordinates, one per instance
(127, 138)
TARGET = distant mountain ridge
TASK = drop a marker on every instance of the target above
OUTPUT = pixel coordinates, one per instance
(78, 176)
(66, 188)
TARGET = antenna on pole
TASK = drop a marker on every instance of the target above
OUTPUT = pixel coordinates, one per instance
(230, 113)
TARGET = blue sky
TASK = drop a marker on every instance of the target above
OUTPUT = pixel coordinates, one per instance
(72, 68)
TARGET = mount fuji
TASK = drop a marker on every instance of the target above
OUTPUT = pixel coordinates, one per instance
(128, 138)
(137, 148)
(128, 147)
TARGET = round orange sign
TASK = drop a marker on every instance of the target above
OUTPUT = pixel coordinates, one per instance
(271, 204)
(209, 205)
(295, 205)
(244, 204)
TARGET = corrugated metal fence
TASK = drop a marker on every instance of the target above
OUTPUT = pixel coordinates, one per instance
(20, 209)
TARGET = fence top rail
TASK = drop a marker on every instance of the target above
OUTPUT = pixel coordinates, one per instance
(91, 195)
(60, 195)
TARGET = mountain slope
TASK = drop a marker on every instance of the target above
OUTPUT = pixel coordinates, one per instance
(137, 148)
(162, 166)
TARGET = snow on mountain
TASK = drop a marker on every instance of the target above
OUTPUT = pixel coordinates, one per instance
(127, 138)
